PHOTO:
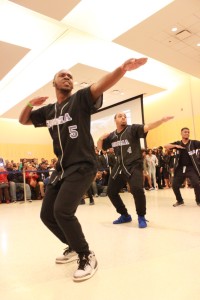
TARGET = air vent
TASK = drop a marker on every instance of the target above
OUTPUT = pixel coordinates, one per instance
(183, 34)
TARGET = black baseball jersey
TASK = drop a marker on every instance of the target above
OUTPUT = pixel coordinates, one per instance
(69, 127)
(127, 148)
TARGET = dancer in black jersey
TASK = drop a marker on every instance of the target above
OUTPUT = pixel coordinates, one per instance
(125, 141)
(68, 121)
(186, 165)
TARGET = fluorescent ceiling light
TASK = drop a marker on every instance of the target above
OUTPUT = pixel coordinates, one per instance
(104, 18)
(25, 28)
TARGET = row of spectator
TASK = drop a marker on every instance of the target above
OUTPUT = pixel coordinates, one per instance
(158, 174)
(29, 174)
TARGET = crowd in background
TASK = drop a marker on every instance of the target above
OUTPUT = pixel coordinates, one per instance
(158, 168)
(29, 174)
(34, 176)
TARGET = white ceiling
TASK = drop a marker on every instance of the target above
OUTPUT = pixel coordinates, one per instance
(38, 38)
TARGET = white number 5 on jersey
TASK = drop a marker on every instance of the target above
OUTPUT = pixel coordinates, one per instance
(73, 133)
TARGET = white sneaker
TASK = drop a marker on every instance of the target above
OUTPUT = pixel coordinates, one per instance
(68, 256)
(151, 189)
(87, 266)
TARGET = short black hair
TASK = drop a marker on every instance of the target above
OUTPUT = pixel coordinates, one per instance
(184, 128)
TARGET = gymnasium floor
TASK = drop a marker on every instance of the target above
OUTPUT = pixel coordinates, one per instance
(161, 262)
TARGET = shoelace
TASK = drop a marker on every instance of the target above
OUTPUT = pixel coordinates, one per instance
(83, 261)
(66, 251)
(144, 220)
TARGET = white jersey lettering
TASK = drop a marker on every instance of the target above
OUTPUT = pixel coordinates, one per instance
(192, 152)
(120, 143)
(58, 121)
(73, 132)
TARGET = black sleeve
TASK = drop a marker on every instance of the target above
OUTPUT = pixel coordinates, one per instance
(197, 144)
(38, 117)
(138, 130)
(85, 99)
(176, 143)
(107, 143)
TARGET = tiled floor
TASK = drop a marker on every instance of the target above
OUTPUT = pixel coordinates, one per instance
(161, 262)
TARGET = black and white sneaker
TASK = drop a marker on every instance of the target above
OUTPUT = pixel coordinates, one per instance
(68, 256)
(87, 266)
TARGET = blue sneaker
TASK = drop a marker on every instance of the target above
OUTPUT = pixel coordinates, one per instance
(123, 219)
(142, 222)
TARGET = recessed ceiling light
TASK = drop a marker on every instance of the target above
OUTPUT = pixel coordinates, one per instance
(174, 29)
(198, 45)
(115, 92)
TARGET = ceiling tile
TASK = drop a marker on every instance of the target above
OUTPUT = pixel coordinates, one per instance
(189, 51)
(161, 36)
(189, 20)
(195, 28)
(179, 45)
(197, 13)
(193, 40)
(10, 55)
(54, 9)
(183, 35)
(170, 41)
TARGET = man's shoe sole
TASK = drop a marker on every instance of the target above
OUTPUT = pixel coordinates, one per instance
(67, 260)
(174, 205)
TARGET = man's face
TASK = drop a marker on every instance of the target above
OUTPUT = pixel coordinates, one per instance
(43, 166)
(99, 174)
(185, 133)
(121, 120)
(63, 81)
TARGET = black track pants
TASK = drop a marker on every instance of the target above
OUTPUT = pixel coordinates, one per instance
(136, 188)
(59, 207)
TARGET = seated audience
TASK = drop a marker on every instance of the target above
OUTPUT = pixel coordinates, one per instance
(42, 175)
(31, 179)
(16, 182)
(98, 185)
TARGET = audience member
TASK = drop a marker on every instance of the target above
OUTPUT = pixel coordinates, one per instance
(4, 192)
(16, 182)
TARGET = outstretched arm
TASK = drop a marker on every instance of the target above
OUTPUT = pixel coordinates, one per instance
(26, 112)
(155, 124)
(171, 146)
(106, 82)
(100, 140)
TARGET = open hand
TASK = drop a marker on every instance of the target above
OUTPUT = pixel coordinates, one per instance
(134, 63)
(167, 118)
(38, 101)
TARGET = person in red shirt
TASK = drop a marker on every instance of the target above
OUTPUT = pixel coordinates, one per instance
(4, 185)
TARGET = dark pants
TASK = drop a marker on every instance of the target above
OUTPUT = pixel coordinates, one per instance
(179, 178)
(136, 189)
(5, 192)
(159, 177)
(59, 207)
(89, 193)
